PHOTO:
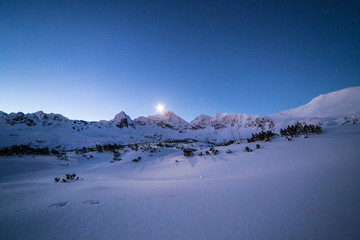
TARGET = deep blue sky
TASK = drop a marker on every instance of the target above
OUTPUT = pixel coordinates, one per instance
(91, 59)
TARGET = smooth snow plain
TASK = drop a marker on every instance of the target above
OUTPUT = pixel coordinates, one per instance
(300, 189)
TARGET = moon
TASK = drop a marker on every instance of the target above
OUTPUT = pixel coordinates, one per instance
(160, 108)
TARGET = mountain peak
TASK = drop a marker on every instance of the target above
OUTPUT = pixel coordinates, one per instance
(120, 116)
(122, 120)
(168, 117)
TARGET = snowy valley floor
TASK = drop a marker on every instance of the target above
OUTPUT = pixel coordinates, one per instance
(301, 189)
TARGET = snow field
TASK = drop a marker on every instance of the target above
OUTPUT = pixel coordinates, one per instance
(302, 189)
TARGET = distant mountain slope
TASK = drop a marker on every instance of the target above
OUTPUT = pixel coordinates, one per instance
(332, 105)
(166, 120)
(55, 130)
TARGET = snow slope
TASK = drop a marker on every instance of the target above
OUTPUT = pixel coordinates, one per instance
(302, 189)
(332, 105)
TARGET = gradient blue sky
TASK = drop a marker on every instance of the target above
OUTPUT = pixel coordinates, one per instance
(92, 59)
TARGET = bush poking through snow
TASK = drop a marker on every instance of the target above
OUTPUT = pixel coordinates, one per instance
(99, 148)
(257, 146)
(116, 156)
(247, 149)
(68, 178)
(136, 159)
(188, 152)
(229, 151)
(201, 154)
(214, 151)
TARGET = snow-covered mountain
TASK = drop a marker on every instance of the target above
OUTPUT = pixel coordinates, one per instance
(333, 105)
(166, 120)
(121, 120)
(55, 130)
(200, 122)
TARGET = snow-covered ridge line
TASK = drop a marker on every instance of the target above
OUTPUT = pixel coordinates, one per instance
(334, 105)
(42, 129)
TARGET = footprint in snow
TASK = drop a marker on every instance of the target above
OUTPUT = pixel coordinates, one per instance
(58, 205)
(91, 202)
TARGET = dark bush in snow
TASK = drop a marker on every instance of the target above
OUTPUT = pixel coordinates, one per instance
(229, 151)
(99, 148)
(261, 136)
(116, 156)
(227, 143)
(136, 159)
(68, 178)
(23, 150)
(300, 128)
(247, 149)
(188, 152)
(214, 151)
(257, 146)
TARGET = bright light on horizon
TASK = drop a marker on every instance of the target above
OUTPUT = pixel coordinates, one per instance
(160, 108)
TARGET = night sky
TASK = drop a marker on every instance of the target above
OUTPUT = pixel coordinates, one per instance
(92, 59)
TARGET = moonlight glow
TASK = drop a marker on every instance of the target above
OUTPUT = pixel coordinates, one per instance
(160, 108)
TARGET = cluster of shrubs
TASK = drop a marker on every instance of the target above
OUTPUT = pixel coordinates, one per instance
(116, 156)
(300, 128)
(26, 150)
(261, 136)
(68, 178)
(247, 149)
(163, 145)
(212, 151)
(189, 152)
(108, 147)
(227, 143)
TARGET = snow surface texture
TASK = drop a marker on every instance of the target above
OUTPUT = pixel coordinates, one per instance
(56, 131)
(300, 189)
